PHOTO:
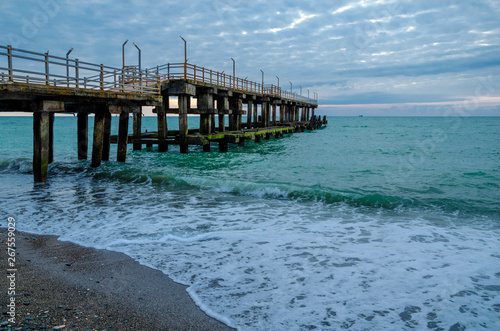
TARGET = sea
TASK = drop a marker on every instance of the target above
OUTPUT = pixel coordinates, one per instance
(370, 223)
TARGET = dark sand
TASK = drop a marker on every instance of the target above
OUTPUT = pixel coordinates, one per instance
(63, 284)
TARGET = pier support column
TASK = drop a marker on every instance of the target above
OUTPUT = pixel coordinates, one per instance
(107, 134)
(222, 107)
(212, 121)
(235, 106)
(97, 146)
(255, 117)
(161, 113)
(83, 135)
(184, 104)
(223, 146)
(274, 115)
(206, 107)
(282, 112)
(43, 119)
(122, 137)
(249, 114)
(265, 113)
(51, 137)
(40, 145)
(137, 130)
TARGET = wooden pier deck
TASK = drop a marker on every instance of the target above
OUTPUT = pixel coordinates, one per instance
(45, 85)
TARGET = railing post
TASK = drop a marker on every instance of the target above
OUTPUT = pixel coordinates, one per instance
(84, 82)
(140, 80)
(77, 79)
(47, 79)
(102, 76)
(168, 70)
(11, 69)
(123, 79)
(194, 73)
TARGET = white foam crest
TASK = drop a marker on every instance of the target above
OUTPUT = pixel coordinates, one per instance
(286, 265)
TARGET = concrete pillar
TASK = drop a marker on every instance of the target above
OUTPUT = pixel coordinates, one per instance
(274, 115)
(40, 145)
(161, 113)
(212, 121)
(249, 114)
(122, 137)
(106, 140)
(235, 106)
(255, 117)
(137, 127)
(205, 105)
(51, 137)
(265, 113)
(223, 146)
(184, 105)
(282, 112)
(83, 135)
(98, 139)
(222, 106)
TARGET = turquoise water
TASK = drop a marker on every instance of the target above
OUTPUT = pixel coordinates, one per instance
(369, 223)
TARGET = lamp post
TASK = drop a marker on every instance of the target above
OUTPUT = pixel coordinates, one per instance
(300, 90)
(234, 72)
(291, 88)
(185, 57)
(123, 53)
(278, 84)
(67, 65)
(140, 73)
(262, 81)
(308, 93)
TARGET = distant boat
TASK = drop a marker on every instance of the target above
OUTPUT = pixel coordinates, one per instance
(360, 115)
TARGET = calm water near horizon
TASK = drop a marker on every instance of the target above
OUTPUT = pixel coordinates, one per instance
(370, 223)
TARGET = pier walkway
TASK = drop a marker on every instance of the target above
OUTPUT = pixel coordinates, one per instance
(45, 85)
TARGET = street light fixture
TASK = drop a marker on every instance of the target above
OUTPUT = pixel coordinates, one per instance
(262, 81)
(140, 74)
(300, 90)
(67, 64)
(185, 57)
(308, 93)
(291, 87)
(234, 72)
(123, 53)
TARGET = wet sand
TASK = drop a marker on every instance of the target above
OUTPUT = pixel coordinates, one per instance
(70, 287)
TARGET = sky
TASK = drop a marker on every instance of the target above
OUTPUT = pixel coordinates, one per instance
(385, 57)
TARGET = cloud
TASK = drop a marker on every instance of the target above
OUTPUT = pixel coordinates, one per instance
(347, 51)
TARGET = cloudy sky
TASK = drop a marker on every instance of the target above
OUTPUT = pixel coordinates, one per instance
(385, 57)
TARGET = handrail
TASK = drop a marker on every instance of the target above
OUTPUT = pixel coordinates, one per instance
(204, 76)
(83, 74)
(73, 73)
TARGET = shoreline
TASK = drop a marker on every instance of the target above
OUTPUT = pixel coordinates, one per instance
(65, 285)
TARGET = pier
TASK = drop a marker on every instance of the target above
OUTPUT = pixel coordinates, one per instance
(45, 85)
